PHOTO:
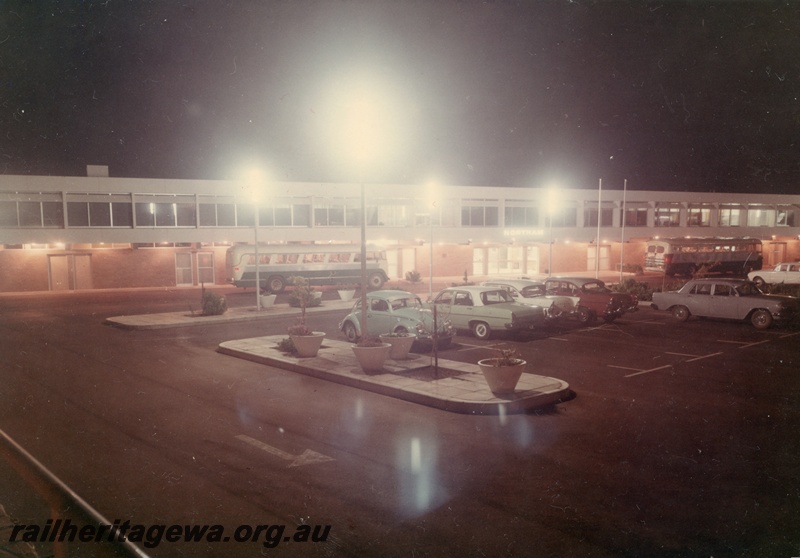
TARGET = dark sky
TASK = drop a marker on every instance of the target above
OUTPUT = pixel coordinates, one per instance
(696, 96)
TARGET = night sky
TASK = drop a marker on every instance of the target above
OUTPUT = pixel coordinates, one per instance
(695, 96)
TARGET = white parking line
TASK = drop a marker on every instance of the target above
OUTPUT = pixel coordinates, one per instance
(681, 354)
(754, 344)
(704, 356)
(648, 371)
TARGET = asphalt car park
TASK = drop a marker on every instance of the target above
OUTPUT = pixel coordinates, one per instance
(646, 343)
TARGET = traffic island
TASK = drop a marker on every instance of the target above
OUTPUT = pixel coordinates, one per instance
(453, 386)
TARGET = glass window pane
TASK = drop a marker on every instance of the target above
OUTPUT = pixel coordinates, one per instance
(121, 214)
(30, 214)
(78, 214)
(186, 215)
(226, 215)
(208, 215)
(145, 214)
(99, 214)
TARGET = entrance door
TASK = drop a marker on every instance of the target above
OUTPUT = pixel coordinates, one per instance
(205, 267)
(605, 258)
(69, 272)
(183, 269)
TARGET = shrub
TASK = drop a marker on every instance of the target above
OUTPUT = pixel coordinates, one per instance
(640, 289)
(303, 295)
(214, 304)
(286, 345)
(413, 276)
(782, 289)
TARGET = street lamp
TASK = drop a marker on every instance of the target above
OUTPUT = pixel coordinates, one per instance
(255, 181)
(433, 207)
(552, 208)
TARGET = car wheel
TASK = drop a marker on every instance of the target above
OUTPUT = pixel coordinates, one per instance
(481, 330)
(680, 313)
(401, 329)
(585, 316)
(761, 319)
(759, 282)
(350, 332)
(276, 284)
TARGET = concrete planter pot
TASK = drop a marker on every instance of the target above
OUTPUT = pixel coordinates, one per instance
(501, 378)
(401, 345)
(371, 358)
(346, 294)
(308, 345)
(267, 301)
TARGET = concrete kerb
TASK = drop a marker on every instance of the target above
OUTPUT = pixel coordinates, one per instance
(462, 388)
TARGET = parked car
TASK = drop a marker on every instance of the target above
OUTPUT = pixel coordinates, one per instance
(786, 272)
(595, 299)
(737, 299)
(483, 310)
(533, 293)
(392, 311)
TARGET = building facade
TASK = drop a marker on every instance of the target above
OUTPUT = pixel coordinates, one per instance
(98, 232)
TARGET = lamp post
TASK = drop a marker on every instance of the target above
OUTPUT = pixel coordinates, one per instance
(552, 207)
(433, 206)
(599, 217)
(622, 235)
(254, 184)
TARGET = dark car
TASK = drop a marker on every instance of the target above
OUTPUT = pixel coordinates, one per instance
(595, 299)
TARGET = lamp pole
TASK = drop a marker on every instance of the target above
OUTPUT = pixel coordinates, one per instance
(258, 275)
(599, 215)
(622, 236)
(363, 261)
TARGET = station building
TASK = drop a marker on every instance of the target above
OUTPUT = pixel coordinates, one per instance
(101, 232)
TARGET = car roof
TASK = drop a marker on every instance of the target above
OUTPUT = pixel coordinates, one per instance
(472, 288)
(719, 280)
(577, 280)
(391, 293)
(519, 283)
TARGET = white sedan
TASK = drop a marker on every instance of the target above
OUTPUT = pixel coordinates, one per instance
(532, 293)
(787, 272)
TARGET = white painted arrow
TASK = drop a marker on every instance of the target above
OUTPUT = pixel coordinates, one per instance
(305, 458)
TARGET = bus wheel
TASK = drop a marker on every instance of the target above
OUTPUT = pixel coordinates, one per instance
(375, 281)
(276, 284)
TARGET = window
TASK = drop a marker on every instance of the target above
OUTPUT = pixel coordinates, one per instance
(478, 213)
(729, 216)
(590, 216)
(786, 215)
(518, 215)
(760, 216)
(667, 216)
(699, 215)
(635, 216)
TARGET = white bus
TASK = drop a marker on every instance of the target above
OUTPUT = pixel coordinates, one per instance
(684, 256)
(321, 264)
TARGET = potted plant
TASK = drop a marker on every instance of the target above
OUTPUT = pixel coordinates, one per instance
(306, 342)
(371, 354)
(503, 371)
(266, 298)
(346, 291)
(401, 343)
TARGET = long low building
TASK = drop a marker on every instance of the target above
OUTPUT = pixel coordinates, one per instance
(98, 232)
